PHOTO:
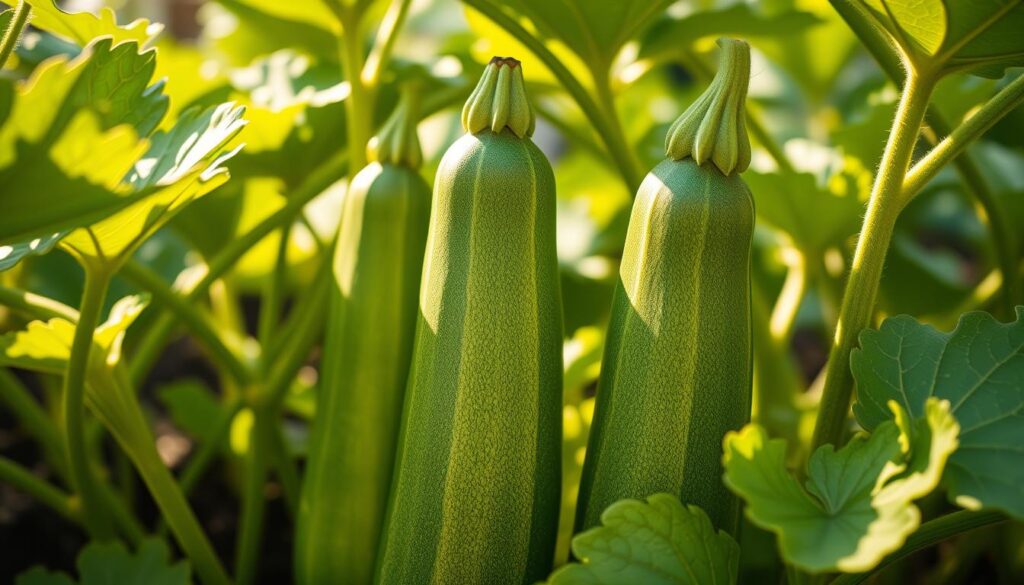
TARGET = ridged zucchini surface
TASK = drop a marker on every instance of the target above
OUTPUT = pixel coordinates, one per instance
(676, 374)
(476, 493)
(367, 351)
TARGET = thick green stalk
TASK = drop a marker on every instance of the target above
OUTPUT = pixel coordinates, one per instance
(44, 493)
(857, 309)
(97, 280)
(887, 56)
(930, 533)
(13, 32)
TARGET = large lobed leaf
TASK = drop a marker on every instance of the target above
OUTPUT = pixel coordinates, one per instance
(979, 369)
(659, 541)
(72, 135)
(983, 36)
(857, 503)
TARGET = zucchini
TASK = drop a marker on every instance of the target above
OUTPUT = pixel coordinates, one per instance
(367, 351)
(676, 374)
(477, 487)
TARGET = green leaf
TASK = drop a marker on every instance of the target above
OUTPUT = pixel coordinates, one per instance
(978, 35)
(655, 542)
(979, 369)
(193, 407)
(72, 135)
(111, 564)
(45, 346)
(857, 504)
(82, 27)
(12, 254)
(182, 164)
(669, 35)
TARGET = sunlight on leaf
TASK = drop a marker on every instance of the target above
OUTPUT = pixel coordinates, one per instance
(82, 27)
(857, 504)
(979, 369)
(182, 164)
(982, 36)
(45, 346)
(659, 541)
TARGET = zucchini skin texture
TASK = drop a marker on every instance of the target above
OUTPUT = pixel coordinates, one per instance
(676, 374)
(367, 352)
(477, 488)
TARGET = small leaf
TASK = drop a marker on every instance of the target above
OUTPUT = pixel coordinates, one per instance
(111, 564)
(979, 369)
(44, 346)
(857, 504)
(655, 542)
(82, 27)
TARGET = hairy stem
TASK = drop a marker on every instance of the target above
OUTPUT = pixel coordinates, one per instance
(13, 32)
(857, 308)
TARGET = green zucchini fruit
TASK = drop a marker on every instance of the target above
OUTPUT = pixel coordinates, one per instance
(367, 351)
(476, 492)
(676, 374)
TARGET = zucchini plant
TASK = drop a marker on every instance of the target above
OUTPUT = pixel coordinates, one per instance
(241, 341)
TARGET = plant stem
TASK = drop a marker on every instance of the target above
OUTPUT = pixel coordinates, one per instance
(792, 295)
(96, 282)
(614, 142)
(359, 105)
(36, 306)
(963, 135)
(387, 34)
(888, 59)
(44, 493)
(250, 526)
(197, 321)
(930, 533)
(179, 515)
(13, 32)
(857, 309)
(273, 290)
(323, 177)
